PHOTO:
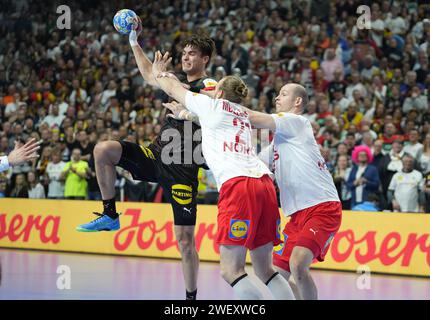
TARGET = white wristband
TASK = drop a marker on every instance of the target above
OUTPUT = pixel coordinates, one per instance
(182, 115)
(132, 38)
(134, 43)
(4, 163)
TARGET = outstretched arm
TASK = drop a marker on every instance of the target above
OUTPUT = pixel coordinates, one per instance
(143, 63)
(167, 81)
(261, 120)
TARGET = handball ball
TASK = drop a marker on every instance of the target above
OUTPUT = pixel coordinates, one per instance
(123, 21)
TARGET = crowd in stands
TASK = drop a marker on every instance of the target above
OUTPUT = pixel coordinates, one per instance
(368, 89)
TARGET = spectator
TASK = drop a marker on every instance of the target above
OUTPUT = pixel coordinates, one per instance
(211, 192)
(378, 155)
(83, 143)
(413, 147)
(364, 178)
(405, 187)
(331, 64)
(417, 101)
(424, 157)
(53, 176)
(372, 204)
(389, 137)
(35, 188)
(3, 187)
(75, 174)
(426, 189)
(391, 164)
(78, 95)
(54, 119)
(201, 190)
(340, 176)
(93, 187)
(20, 190)
(352, 116)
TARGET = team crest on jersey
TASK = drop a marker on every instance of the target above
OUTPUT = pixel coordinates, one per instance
(182, 193)
(238, 229)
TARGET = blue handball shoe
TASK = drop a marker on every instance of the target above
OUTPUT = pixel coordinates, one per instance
(102, 223)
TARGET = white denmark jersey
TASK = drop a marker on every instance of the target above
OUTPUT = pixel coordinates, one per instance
(300, 170)
(226, 138)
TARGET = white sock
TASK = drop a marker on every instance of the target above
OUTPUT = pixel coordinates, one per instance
(245, 289)
(280, 288)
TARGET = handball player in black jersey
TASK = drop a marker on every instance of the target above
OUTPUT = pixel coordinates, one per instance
(178, 180)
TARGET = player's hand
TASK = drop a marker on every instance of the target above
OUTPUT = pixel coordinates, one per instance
(134, 34)
(160, 64)
(176, 109)
(24, 153)
(172, 76)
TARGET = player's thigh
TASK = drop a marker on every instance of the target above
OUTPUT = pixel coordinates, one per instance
(232, 261)
(140, 161)
(261, 258)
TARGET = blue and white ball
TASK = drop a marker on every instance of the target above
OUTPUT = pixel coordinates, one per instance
(123, 21)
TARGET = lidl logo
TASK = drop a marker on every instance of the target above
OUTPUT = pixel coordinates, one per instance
(238, 229)
(280, 248)
(278, 229)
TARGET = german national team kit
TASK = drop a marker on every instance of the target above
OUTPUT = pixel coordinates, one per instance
(179, 178)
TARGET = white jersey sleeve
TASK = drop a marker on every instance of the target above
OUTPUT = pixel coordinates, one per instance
(201, 105)
(289, 124)
(4, 163)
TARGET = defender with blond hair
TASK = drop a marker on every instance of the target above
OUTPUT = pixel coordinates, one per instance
(248, 214)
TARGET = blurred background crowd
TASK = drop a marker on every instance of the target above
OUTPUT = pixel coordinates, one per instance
(368, 89)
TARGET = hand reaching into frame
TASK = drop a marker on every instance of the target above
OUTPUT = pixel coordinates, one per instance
(160, 64)
(24, 153)
(177, 110)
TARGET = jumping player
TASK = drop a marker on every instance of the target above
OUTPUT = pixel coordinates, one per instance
(306, 187)
(178, 180)
(248, 214)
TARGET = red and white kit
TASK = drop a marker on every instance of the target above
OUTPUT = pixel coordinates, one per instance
(248, 214)
(306, 188)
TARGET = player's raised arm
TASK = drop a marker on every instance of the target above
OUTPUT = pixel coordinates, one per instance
(143, 63)
(261, 120)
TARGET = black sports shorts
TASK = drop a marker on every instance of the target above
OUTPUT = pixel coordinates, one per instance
(179, 182)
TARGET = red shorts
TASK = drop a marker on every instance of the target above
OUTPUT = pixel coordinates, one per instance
(248, 213)
(312, 228)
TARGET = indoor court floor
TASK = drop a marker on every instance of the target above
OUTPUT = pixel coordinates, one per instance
(33, 275)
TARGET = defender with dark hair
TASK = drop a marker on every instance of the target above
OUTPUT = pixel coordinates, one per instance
(178, 180)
